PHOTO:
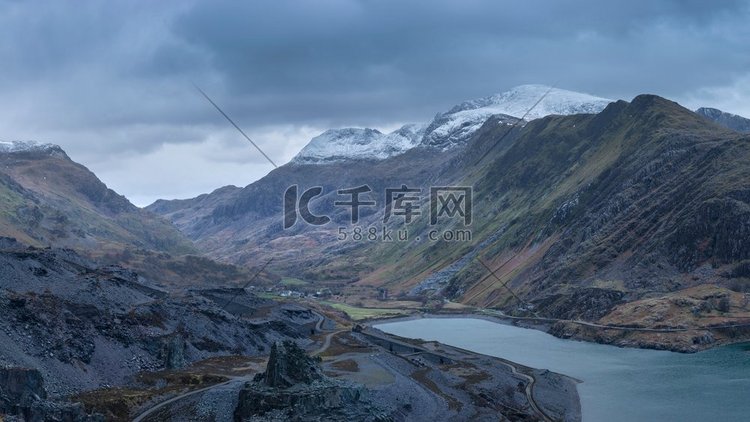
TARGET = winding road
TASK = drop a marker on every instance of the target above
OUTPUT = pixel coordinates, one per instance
(529, 390)
(328, 337)
(151, 411)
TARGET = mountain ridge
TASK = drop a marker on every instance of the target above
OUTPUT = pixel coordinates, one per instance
(447, 129)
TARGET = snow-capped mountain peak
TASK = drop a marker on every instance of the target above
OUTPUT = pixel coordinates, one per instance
(27, 146)
(520, 100)
(356, 143)
(455, 126)
(451, 128)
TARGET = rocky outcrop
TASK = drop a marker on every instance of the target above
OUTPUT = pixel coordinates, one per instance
(19, 387)
(582, 303)
(288, 365)
(22, 394)
(174, 352)
(719, 230)
(293, 388)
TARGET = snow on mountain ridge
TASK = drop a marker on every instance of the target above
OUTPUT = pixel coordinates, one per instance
(356, 143)
(450, 128)
(455, 126)
(27, 146)
(517, 101)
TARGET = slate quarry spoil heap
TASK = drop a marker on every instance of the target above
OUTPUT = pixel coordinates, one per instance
(294, 388)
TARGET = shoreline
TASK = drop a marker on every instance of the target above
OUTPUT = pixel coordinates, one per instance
(551, 395)
(546, 327)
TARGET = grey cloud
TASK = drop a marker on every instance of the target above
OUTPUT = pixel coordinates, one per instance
(436, 52)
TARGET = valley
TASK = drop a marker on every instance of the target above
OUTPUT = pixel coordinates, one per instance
(590, 217)
(374, 211)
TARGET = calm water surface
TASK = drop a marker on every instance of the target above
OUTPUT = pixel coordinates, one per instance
(618, 384)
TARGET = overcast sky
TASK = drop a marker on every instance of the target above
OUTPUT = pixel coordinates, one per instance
(111, 82)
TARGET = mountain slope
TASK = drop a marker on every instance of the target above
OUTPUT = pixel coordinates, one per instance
(245, 226)
(48, 199)
(612, 198)
(87, 326)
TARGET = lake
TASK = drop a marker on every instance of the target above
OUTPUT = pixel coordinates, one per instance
(618, 384)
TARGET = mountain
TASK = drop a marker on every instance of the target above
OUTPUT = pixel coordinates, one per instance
(28, 147)
(449, 129)
(729, 120)
(50, 200)
(245, 226)
(233, 224)
(584, 216)
(353, 143)
(635, 216)
(456, 125)
(632, 198)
